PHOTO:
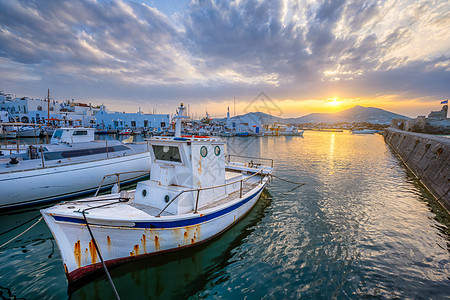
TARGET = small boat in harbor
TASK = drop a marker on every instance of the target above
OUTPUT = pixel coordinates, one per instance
(193, 195)
(8, 130)
(72, 164)
(292, 131)
(126, 132)
(364, 131)
(29, 131)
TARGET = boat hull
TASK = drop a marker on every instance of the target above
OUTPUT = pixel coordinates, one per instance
(29, 133)
(121, 243)
(41, 185)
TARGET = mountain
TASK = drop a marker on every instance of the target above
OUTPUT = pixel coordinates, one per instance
(354, 114)
(263, 117)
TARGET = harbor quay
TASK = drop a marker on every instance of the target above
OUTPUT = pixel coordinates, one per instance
(427, 157)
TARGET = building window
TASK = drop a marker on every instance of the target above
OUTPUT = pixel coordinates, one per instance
(39, 108)
(133, 123)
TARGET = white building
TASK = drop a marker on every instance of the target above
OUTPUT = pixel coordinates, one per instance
(37, 111)
(120, 120)
(247, 123)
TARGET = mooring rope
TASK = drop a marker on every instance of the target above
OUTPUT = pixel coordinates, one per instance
(100, 255)
(282, 179)
(299, 184)
(40, 219)
(11, 229)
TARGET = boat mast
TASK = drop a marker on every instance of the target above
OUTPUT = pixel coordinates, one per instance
(180, 115)
(48, 107)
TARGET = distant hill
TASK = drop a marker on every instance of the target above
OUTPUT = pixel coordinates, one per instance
(354, 114)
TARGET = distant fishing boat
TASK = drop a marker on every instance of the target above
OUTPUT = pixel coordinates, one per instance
(126, 132)
(292, 131)
(72, 164)
(193, 195)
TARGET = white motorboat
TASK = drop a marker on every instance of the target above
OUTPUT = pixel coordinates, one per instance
(292, 131)
(71, 165)
(194, 194)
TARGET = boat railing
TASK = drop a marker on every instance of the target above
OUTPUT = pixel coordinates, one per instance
(118, 179)
(213, 187)
(14, 147)
(228, 158)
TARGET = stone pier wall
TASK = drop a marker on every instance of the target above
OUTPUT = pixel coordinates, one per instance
(428, 157)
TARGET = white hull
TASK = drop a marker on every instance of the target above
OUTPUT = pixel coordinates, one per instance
(8, 135)
(123, 239)
(29, 133)
(39, 185)
(298, 133)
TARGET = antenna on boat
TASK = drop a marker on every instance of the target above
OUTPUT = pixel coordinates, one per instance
(180, 115)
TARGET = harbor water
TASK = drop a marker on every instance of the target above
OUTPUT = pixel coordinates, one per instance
(361, 226)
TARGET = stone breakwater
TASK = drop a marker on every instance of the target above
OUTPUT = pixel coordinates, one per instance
(428, 157)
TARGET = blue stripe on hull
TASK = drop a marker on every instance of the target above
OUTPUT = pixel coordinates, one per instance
(174, 224)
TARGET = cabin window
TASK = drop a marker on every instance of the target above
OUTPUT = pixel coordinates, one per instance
(57, 134)
(167, 153)
(217, 150)
(80, 132)
(203, 151)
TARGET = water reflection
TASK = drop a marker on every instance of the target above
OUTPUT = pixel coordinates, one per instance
(180, 274)
(362, 226)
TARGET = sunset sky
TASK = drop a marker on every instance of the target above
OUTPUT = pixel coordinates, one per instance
(306, 56)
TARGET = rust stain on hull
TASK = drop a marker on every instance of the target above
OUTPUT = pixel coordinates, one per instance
(93, 252)
(144, 243)
(77, 253)
(157, 245)
(135, 251)
(108, 241)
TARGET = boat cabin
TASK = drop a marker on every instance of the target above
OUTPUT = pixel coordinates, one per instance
(72, 135)
(185, 163)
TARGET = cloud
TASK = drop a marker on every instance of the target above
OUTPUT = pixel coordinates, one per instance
(215, 50)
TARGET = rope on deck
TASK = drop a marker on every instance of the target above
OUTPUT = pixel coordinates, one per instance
(100, 255)
(40, 219)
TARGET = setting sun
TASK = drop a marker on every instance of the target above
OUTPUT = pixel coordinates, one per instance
(334, 101)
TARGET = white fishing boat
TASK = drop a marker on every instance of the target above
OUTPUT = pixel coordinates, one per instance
(193, 195)
(126, 131)
(72, 164)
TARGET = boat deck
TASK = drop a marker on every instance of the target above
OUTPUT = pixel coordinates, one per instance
(232, 196)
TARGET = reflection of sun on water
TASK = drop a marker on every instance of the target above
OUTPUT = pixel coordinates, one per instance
(331, 155)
